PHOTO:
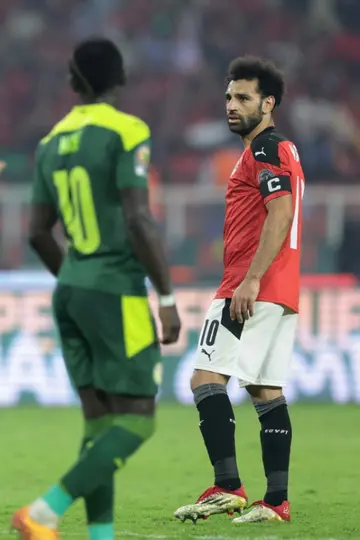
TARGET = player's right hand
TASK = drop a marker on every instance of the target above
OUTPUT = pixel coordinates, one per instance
(171, 324)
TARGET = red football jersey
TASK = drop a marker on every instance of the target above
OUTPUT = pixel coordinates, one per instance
(269, 168)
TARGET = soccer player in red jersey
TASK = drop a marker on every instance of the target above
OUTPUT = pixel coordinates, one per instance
(249, 330)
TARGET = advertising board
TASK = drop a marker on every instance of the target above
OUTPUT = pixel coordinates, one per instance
(325, 367)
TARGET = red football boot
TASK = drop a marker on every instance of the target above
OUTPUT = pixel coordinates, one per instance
(261, 511)
(214, 500)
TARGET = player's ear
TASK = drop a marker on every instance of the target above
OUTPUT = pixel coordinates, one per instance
(268, 104)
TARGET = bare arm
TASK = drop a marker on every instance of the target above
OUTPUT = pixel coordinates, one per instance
(273, 235)
(145, 238)
(43, 217)
(146, 242)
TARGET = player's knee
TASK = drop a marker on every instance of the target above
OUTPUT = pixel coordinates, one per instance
(137, 405)
(93, 403)
(124, 438)
(261, 394)
(205, 391)
(201, 377)
(141, 427)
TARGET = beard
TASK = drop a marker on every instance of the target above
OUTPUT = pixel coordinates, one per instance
(246, 124)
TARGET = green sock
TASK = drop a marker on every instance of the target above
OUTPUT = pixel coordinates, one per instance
(99, 504)
(58, 499)
(101, 532)
(109, 452)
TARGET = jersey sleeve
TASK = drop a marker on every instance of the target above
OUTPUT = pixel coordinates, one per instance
(41, 193)
(134, 158)
(271, 170)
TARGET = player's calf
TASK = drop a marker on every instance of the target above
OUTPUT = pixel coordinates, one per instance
(275, 435)
(99, 505)
(217, 425)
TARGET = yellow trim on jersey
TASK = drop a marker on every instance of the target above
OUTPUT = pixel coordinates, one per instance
(131, 129)
(137, 324)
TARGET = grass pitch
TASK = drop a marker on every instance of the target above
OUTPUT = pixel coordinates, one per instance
(38, 445)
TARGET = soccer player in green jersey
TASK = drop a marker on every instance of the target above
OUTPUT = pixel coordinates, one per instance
(91, 174)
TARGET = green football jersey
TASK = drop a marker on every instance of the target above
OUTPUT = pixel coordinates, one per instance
(80, 167)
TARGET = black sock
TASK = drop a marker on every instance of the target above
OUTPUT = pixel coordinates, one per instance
(276, 443)
(217, 425)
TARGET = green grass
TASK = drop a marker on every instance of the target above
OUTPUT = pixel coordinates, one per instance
(37, 445)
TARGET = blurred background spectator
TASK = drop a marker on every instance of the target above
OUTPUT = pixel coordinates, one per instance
(177, 53)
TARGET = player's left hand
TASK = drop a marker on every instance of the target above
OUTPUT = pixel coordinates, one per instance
(243, 300)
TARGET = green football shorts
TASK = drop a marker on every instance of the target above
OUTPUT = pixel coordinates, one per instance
(109, 342)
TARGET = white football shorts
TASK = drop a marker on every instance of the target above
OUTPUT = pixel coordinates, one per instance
(257, 352)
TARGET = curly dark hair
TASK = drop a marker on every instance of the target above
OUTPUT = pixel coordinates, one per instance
(96, 67)
(270, 78)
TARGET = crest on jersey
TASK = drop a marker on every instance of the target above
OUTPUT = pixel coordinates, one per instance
(142, 160)
(265, 175)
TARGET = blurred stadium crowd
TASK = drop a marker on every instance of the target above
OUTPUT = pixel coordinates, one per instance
(177, 53)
